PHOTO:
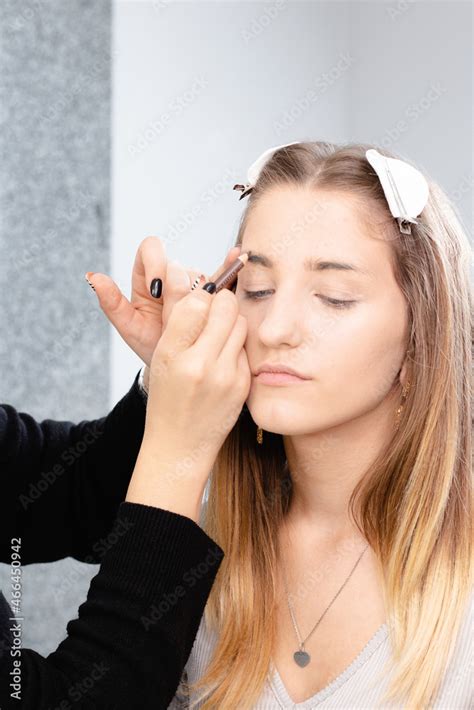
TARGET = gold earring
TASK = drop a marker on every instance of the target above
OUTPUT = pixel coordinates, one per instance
(400, 408)
(259, 435)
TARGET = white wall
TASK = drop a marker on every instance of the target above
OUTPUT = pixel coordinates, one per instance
(412, 90)
(200, 89)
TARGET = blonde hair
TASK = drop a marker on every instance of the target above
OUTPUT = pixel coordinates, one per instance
(415, 500)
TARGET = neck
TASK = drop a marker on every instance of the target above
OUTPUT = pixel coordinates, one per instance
(326, 466)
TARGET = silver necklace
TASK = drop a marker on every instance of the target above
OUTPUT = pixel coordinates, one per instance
(302, 657)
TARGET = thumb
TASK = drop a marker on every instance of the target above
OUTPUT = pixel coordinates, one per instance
(116, 307)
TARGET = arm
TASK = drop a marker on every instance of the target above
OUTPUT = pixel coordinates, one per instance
(63, 482)
(135, 632)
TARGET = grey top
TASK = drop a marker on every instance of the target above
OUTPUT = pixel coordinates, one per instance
(353, 688)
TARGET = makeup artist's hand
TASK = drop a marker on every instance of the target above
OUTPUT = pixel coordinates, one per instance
(140, 321)
(199, 381)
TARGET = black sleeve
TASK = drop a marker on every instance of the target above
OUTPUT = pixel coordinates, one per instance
(62, 483)
(131, 641)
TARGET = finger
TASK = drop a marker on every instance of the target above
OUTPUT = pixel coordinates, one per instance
(235, 342)
(244, 371)
(150, 263)
(186, 322)
(232, 255)
(177, 285)
(221, 319)
(197, 278)
(243, 365)
(115, 305)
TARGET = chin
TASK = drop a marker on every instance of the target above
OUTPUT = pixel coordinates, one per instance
(279, 418)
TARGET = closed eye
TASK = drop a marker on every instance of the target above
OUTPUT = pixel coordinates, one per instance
(332, 302)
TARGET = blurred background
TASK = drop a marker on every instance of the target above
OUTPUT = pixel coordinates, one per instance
(120, 120)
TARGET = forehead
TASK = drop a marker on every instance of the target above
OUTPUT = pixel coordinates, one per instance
(288, 224)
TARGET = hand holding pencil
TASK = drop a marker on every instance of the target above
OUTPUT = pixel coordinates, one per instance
(199, 381)
(157, 284)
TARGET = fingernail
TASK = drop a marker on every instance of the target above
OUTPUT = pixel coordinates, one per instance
(210, 287)
(197, 281)
(156, 288)
(87, 276)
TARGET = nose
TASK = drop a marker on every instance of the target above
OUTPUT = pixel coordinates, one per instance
(282, 321)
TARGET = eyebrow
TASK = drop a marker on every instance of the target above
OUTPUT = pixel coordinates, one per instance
(310, 264)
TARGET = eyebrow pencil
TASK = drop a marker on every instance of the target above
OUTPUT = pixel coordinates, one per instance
(229, 275)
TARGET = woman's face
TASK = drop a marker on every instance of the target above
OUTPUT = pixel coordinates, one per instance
(351, 351)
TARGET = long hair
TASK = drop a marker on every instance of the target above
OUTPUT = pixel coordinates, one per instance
(414, 503)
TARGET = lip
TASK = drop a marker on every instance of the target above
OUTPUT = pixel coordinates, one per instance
(278, 378)
(278, 373)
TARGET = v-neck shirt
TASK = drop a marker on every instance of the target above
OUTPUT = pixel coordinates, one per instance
(358, 687)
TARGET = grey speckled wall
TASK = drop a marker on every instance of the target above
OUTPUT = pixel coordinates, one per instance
(54, 226)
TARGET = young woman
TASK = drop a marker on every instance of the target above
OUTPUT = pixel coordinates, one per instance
(347, 531)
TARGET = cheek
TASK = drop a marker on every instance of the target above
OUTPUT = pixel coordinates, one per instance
(365, 352)
(357, 352)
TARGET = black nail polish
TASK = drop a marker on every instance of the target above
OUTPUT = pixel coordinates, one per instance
(210, 287)
(156, 288)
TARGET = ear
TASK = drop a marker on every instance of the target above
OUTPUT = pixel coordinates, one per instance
(403, 377)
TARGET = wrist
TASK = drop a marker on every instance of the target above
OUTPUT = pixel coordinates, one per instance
(165, 483)
(169, 452)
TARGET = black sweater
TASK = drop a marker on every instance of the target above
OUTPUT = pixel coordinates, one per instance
(133, 635)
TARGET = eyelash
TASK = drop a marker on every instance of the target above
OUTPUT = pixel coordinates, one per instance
(332, 302)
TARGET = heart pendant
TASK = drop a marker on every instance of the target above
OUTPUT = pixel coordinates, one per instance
(302, 658)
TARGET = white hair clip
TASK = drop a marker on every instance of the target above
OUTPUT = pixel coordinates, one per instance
(405, 188)
(256, 167)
